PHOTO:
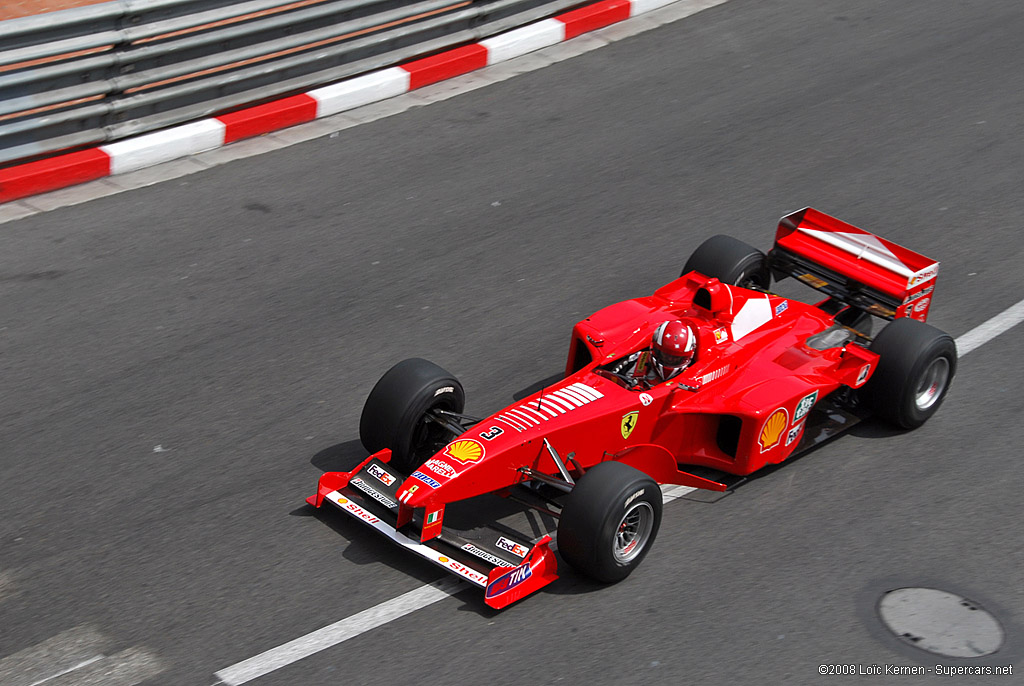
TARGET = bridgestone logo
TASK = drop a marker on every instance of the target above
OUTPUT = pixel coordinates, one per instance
(368, 490)
(633, 497)
(484, 555)
(444, 389)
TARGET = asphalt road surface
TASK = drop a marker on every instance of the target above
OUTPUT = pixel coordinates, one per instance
(182, 361)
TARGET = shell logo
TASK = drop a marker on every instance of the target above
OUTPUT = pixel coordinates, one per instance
(773, 427)
(464, 450)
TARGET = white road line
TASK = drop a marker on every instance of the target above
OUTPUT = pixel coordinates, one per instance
(55, 656)
(423, 596)
(126, 668)
(83, 663)
(333, 634)
(670, 493)
(357, 624)
(1002, 322)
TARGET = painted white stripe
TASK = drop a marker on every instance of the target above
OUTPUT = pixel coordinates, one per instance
(586, 390)
(863, 247)
(126, 668)
(1000, 323)
(670, 493)
(756, 312)
(551, 408)
(569, 397)
(361, 90)
(522, 416)
(57, 655)
(640, 6)
(340, 631)
(510, 422)
(162, 146)
(524, 40)
(573, 394)
(560, 403)
(80, 665)
(533, 411)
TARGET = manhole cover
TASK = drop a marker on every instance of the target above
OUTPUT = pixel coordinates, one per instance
(940, 622)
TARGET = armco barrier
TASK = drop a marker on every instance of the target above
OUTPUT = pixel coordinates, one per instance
(179, 141)
(104, 72)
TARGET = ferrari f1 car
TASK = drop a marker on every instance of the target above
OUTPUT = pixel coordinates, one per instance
(771, 378)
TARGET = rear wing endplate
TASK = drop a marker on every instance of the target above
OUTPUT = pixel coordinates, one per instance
(853, 266)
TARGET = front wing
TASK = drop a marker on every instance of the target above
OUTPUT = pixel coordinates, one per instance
(506, 566)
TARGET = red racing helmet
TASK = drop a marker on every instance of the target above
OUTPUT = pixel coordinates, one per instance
(674, 345)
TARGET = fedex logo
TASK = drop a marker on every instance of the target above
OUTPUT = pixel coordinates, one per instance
(509, 580)
(512, 547)
(381, 474)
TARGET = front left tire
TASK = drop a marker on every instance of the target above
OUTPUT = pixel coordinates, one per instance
(609, 521)
(731, 261)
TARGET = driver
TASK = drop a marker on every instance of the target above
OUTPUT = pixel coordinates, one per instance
(673, 347)
(674, 344)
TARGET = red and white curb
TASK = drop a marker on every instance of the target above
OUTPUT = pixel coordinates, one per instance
(151, 149)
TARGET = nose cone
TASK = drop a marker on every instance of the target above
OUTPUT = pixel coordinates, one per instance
(418, 489)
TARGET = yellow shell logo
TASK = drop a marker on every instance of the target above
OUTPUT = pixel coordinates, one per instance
(773, 427)
(464, 450)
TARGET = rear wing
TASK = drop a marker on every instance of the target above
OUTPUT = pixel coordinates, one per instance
(853, 266)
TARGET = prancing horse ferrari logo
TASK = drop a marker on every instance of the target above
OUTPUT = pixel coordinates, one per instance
(629, 423)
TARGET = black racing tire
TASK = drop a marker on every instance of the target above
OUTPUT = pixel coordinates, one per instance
(731, 261)
(609, 521)
(916, 366)
(394, 413)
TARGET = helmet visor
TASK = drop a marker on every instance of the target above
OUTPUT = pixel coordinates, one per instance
(672, 361)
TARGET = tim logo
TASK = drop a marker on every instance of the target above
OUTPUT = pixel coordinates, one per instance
(506, 582)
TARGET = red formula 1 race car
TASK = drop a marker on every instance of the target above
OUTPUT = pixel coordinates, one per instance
(766, 378)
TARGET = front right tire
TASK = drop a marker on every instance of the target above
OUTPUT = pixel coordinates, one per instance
(395, 413)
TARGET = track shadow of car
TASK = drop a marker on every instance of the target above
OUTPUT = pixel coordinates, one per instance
(874, 428)
(868, 428)
(342, 457)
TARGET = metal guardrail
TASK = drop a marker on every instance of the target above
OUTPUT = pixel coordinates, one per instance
(99, 73)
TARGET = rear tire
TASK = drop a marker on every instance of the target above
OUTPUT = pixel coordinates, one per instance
(394, 413)
(609, 521)
(731, 261)
(916, 366)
